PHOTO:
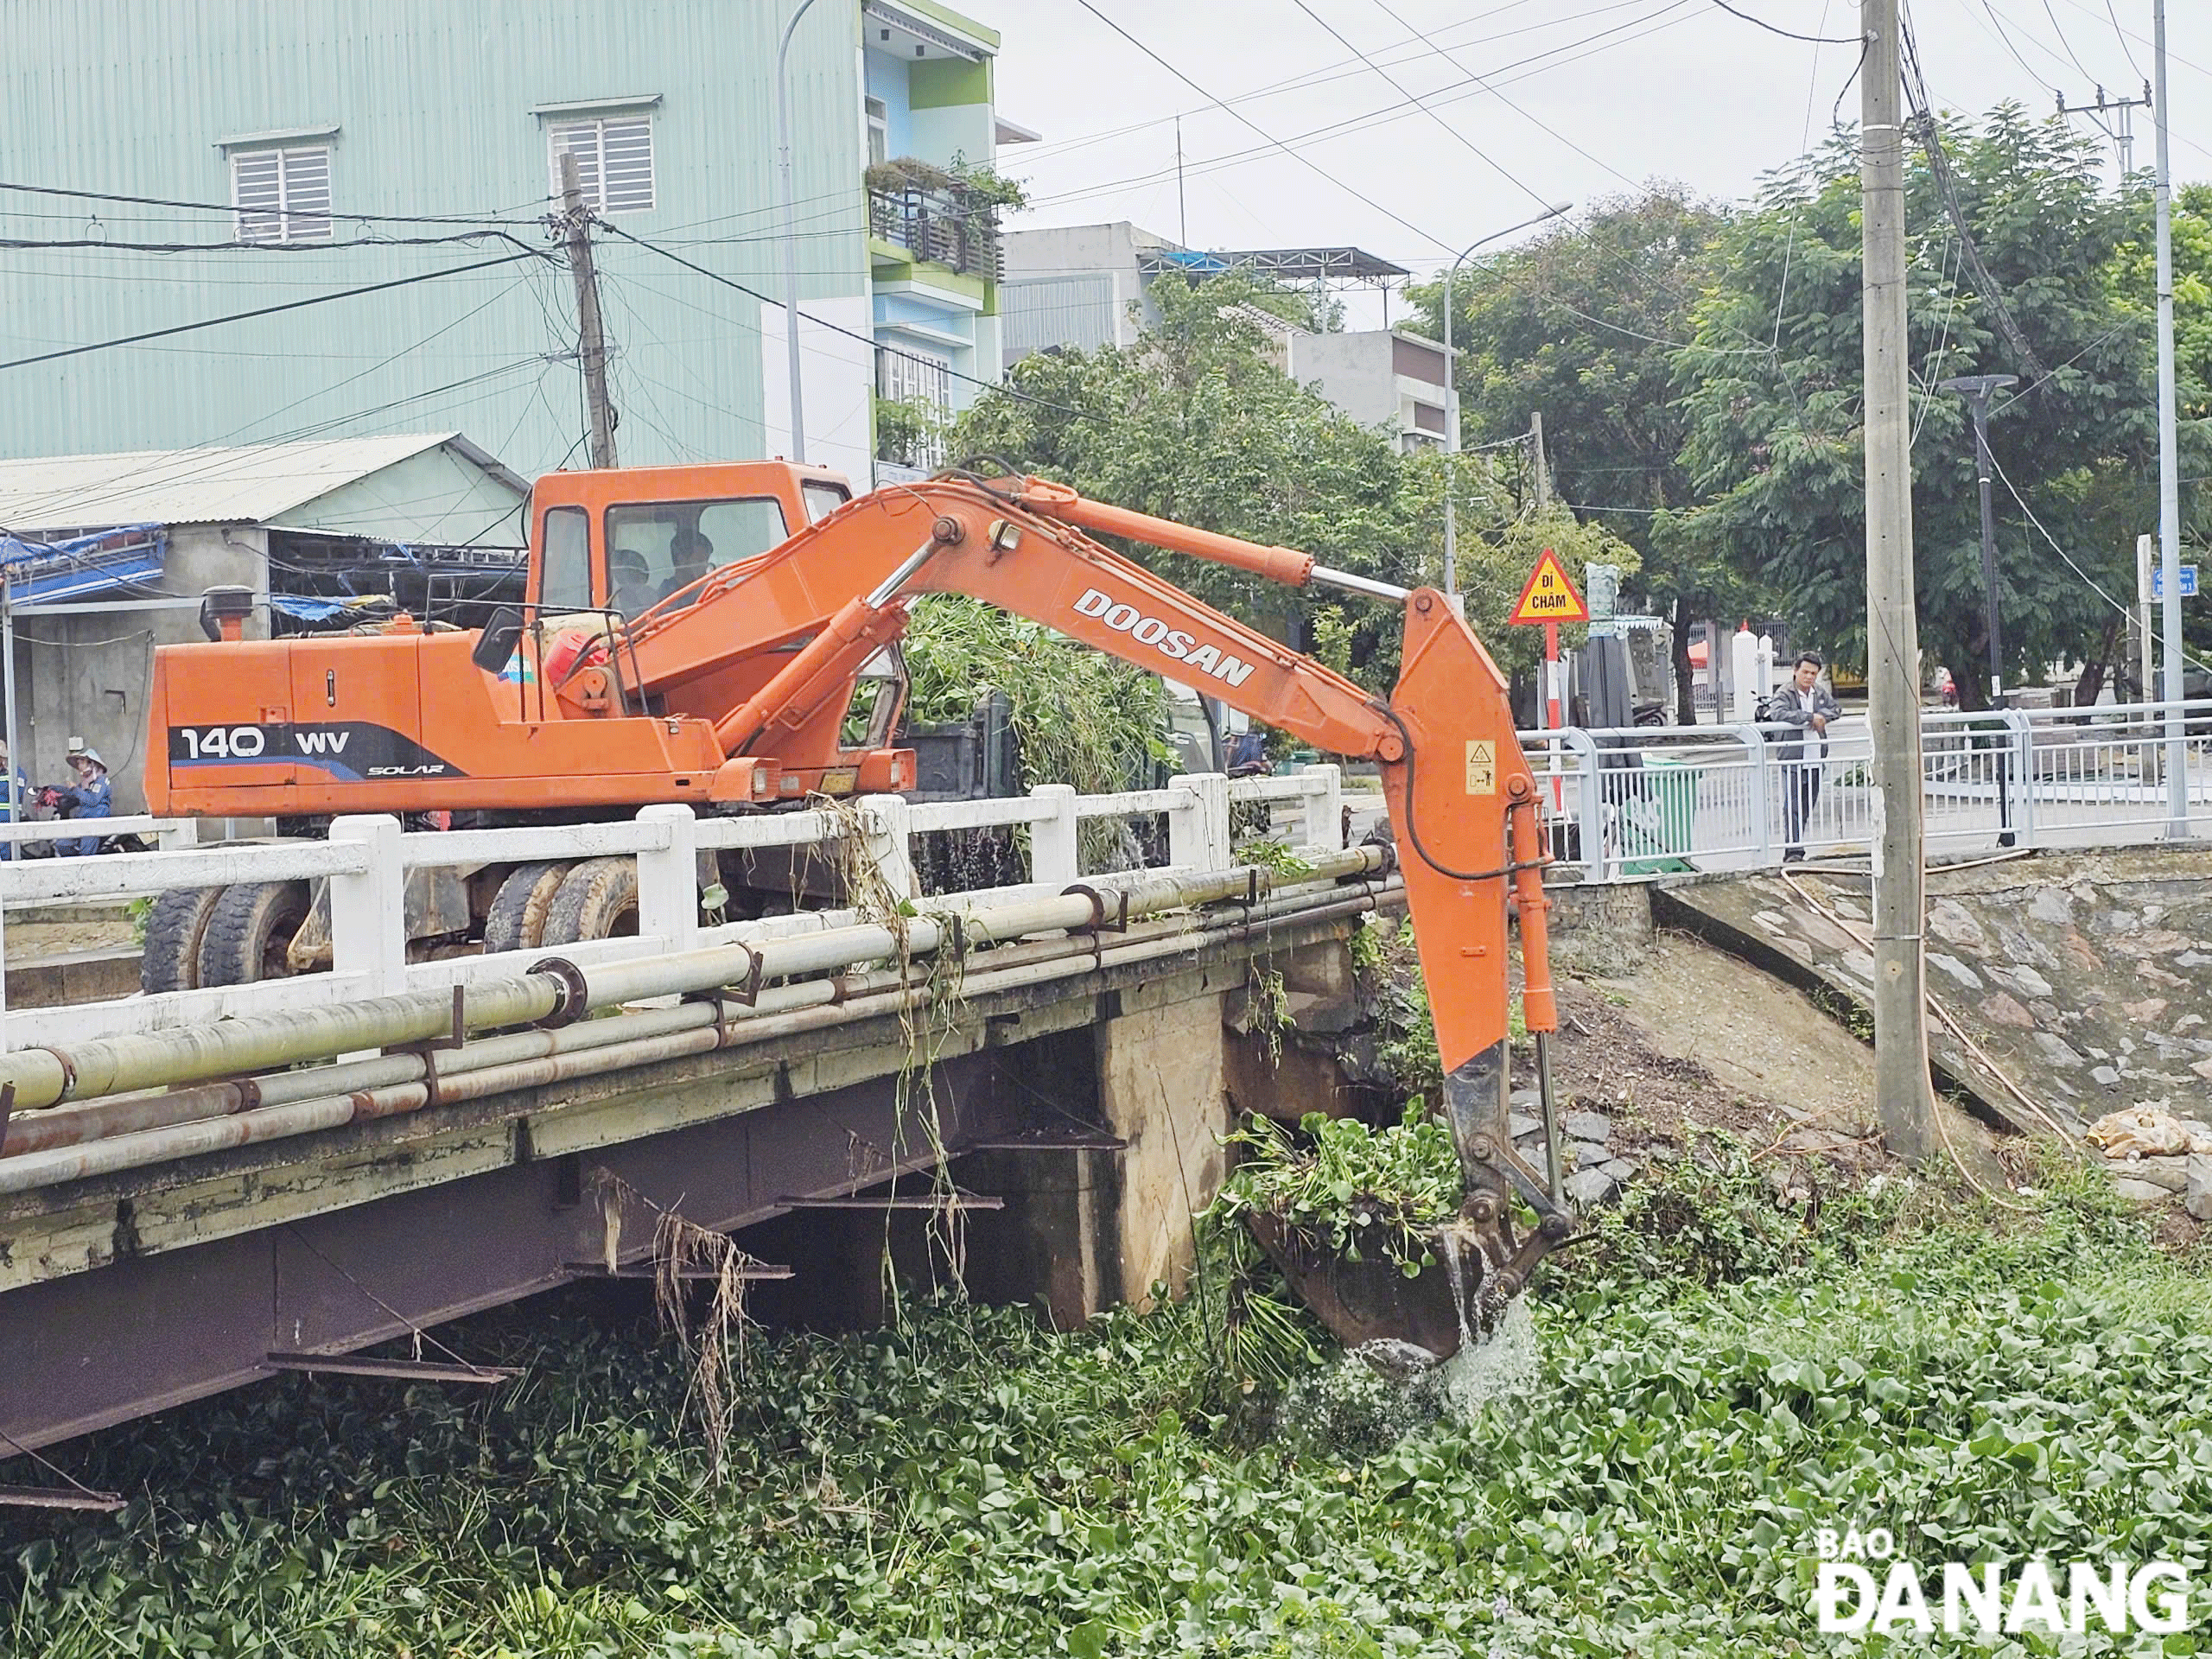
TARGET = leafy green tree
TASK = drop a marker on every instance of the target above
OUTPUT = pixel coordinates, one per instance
(1579, 325)
(1776, 441)
(1197, 423)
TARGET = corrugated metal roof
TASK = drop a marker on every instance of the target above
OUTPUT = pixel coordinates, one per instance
(250, 484)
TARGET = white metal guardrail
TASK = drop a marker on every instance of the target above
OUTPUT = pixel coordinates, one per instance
(366, 858)
(1646, 800)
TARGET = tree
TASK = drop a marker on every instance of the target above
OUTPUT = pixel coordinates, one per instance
(1580, 325)
(1776, 439)
(1197, 422)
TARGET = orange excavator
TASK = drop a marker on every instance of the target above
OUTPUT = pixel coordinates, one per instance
(674, 645)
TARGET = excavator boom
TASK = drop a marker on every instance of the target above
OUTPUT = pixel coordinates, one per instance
(1464, 804)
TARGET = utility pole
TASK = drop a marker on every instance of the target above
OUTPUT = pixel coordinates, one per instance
(1975, 389)
(2120, 128)
(1539, 465)
(791, 232)
(2169, 468)
(1182, 211)
(1906, 1104)
(591, 343)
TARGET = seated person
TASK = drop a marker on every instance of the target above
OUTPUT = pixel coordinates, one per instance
(692, 556)
(90, 797)
(631, 590)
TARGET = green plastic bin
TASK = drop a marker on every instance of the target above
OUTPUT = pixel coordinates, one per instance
(1658, 823)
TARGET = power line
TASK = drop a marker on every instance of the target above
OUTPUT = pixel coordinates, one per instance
(1357, 194)
(868, 340)
(2126, 49)
(1468, 143)
(2057, 29)
(1996, 28)
(1430, 41)
(1342, 70)
(2095, 585)
(279, 249)
(1789, 33)
(1931, 138)
(1466, 88)
(267, 310)
(496, 218)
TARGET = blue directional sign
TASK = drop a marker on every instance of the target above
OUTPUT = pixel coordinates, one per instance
(2158, 581)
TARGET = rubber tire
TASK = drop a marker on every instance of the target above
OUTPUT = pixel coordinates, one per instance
(248, 932)
(516, 921)
(598, 900)
(174, 927)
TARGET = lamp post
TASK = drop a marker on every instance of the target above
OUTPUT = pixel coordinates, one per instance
(1451, 518)
(1975, 389)
(790, 230)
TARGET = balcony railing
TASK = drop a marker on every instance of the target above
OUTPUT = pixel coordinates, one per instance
(948, 227)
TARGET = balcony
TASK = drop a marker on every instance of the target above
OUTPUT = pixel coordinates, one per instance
(933, 217)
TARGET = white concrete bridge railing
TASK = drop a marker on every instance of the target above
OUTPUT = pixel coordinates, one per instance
(366, 858)
(1643, 800)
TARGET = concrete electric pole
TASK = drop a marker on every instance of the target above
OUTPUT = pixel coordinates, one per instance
(2169, 465)
(1906, 1105)
(591, 341)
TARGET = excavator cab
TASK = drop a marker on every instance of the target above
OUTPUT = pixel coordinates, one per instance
(618, 542)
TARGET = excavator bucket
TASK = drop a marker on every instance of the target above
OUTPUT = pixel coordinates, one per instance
(1467, 821)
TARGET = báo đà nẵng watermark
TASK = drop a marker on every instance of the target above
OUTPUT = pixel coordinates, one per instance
(1862, 1585)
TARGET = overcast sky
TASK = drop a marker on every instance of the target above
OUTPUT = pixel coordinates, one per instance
(1565, 101)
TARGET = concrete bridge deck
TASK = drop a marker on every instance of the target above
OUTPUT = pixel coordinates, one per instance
(1081, 1093)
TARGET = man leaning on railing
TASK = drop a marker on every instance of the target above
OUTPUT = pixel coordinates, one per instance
(1807, 708)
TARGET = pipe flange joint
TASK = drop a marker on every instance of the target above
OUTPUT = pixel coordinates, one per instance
(1082, 890)
(571, 1006)
(68, 1069)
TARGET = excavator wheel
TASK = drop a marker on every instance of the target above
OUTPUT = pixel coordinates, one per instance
(598, 900)
(516, 921)
(174, 927)
(249, 931)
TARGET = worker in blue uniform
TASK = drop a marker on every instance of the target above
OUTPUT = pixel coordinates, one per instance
(90, 796)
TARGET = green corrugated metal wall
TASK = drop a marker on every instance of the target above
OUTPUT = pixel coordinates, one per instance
(433, 102)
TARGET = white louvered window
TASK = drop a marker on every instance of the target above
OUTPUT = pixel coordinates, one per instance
(282, 195)
(614, 161)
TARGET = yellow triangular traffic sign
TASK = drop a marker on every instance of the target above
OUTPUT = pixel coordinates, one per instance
(1549, 596)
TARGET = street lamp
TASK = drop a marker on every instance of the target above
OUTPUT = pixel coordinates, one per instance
(790, 231)
(1975, 389)
(1450, 519)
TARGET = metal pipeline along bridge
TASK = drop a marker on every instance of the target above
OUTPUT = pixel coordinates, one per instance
(201, 1188)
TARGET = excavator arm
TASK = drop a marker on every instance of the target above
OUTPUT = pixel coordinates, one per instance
(1464, 804)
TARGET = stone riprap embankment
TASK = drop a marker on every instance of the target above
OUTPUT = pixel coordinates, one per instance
(2080, 981)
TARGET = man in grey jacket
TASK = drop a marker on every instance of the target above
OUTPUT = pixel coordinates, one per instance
(1807, 708)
